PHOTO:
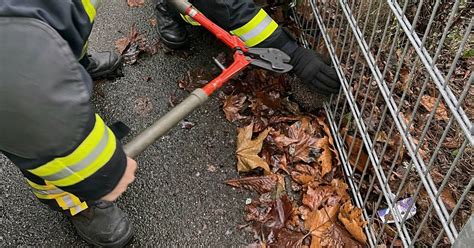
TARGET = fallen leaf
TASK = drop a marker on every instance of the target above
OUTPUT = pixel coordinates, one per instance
(318, 222)
(271, 99)
(441, 114)
(358, 158)
(281, 140)
(153, 22)
(325, 159)
(404, 77)
(143, 105)
(269, 218)
(262, 184)
(133, 45)
(305, 174)
(337, 236)
(288, 239)
(232, 106)
(121, 44)
(135, 3)
(305, 149)
(248, 149)
(279, 162)
(351, 217)
(315, 197)
(448, 198)
(187, 124)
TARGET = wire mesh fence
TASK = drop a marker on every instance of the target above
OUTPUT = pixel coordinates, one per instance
(403, 118)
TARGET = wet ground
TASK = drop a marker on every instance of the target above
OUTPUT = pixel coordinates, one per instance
(178, 198)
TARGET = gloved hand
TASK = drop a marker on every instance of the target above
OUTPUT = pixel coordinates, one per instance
(311, 68)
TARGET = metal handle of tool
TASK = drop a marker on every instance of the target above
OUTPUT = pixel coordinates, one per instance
(159, 128)
(148, 136)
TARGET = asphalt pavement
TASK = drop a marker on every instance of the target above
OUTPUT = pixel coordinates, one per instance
(178, 198)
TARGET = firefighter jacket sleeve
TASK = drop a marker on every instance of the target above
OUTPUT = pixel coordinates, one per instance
(48, 128)
(245, 19)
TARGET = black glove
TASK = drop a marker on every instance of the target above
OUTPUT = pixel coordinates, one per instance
(311, 68)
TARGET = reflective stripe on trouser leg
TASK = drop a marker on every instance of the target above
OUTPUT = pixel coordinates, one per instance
(50, 194)
(90, 156)
(259, 28)
(190, 20)
(91, 6)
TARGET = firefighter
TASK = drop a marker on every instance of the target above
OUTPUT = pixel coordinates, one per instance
(256, 28)
(71, 159)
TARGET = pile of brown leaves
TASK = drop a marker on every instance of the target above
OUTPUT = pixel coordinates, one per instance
(288, 158)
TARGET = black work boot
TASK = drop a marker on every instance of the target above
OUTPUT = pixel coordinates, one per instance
(103, 65)
(103, 225)
(171, 29)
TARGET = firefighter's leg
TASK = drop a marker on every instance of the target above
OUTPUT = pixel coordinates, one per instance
(170, 28)
(256, 28)
(56, 198)
(98, 64)
(49, 130)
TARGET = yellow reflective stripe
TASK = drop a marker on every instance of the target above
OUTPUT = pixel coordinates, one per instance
(40, 187)
(67, 201)
(260, 27)
(47, 192)
(251, 24)
(78, 208)
(93, 167)
(190, 20)
(263, 35)
(81, 152)
(91, 155)
(84, 49)
(90, 9)
(49, 196)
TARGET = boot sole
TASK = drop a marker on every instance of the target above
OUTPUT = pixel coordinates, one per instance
(117, 244)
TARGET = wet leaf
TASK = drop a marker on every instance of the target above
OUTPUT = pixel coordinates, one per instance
(315, 197)
(318, 222)
(325, 159)
(306, 148)
(351, 217)
(269, 218)
(279, 162)
(358, 157)
(448, 198)
(304, 174)
(281, 140)
(248, 150)
(288, 239)
(232, 106)
(121, 44)
(441, 113)
(187, 124)
(337, 236)
(135, 3)
(153, 22)
(143, 105)
(262, 184)
(133, 45)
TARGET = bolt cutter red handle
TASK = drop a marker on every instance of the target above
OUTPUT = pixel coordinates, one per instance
(270, 59)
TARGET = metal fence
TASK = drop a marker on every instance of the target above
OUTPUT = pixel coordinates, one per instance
(403, 118)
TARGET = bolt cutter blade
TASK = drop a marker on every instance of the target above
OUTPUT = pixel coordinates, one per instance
(270, 58)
